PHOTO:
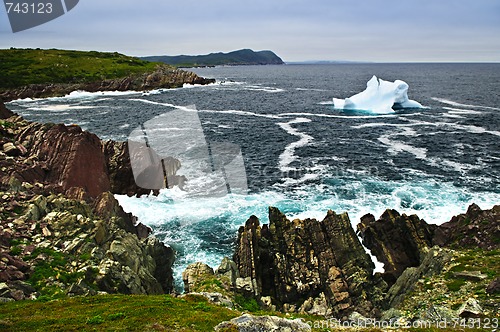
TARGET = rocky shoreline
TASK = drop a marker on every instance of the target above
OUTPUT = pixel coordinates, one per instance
(62, 233)
(163, 77)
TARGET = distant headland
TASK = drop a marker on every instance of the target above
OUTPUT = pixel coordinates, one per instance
(235, 58)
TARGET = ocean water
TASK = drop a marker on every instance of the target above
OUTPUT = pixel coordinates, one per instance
(302, 155)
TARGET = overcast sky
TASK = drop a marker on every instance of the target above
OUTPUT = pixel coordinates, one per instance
(360, 30)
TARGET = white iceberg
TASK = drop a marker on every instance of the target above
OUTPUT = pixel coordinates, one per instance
(380, 97)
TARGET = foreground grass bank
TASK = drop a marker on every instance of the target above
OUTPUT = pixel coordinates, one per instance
(136, 313)
(114, 313)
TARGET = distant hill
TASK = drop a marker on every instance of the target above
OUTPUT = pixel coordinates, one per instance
(241, 57)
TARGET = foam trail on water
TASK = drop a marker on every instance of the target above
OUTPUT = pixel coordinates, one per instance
(288, 156)
(454, 103)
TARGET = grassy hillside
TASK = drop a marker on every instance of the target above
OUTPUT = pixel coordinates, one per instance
(241, 57)
(20, 67)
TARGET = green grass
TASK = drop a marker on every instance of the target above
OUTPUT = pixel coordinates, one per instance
(20, 67)
(114, 313)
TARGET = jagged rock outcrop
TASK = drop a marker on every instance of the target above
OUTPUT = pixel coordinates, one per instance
(5, 113)
(54, 242)
(307, 265)
(398, 241)
(195, 275)
(121, 174)
(162, 77)
(250, 323)
(432, 264)
(120, 171)
(475, 228)
(60, 227)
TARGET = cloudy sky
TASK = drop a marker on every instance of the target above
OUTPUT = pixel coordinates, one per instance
(297, 30)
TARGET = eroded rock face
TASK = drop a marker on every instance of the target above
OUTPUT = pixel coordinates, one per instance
(194, 276)
(475, 228)
(398, 241)
(96, 245)
(432, 264)
(65, 157)
(306, 264)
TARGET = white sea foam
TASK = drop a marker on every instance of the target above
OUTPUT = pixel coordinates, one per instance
(395, 147)
(288, 155)
(263, 88)
(453, 110)
(174, 216)
(59, 107)
(454, 103)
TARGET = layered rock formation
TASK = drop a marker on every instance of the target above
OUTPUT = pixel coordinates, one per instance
(162, 77)
(307, 265)
(61, 229)
(398, 241)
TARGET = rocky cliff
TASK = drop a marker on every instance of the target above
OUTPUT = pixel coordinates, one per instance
(321, 268)
(308, 265)
(61, 230)
(161, 77)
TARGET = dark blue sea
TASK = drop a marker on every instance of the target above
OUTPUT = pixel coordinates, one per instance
(300, 154)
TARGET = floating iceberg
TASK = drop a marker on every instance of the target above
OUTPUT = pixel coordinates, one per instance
(380, 97)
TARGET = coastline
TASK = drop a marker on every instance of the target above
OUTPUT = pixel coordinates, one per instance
(109, 252)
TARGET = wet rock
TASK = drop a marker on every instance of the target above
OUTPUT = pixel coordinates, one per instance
(398, 241)
(250, 323)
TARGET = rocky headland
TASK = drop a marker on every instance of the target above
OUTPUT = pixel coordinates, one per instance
(37, 73)
(162, 77)
(62, 233)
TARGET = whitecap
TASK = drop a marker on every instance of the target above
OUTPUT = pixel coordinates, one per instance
(454, 103)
